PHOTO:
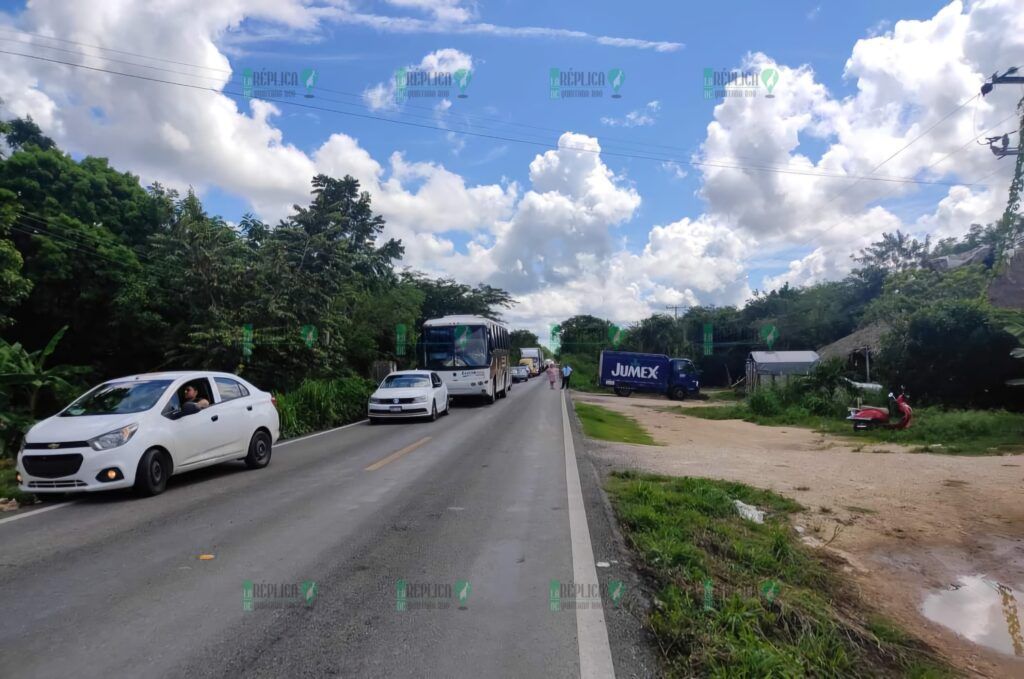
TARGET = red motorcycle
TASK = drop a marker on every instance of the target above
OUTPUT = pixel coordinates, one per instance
(897, 416)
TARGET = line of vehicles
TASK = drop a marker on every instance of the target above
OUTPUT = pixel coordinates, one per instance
(138, 431)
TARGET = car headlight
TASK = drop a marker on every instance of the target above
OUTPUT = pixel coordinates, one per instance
(420, 399)
(113, 439)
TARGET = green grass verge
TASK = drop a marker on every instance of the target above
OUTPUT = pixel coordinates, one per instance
(735, 598)
(722, 395)
(954, 432)
(608, 425)
(8, 486)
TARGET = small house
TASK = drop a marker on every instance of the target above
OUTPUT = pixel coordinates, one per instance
(775, 368)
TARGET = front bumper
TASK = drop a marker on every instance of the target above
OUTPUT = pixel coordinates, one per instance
(385, 410)
(60, 471)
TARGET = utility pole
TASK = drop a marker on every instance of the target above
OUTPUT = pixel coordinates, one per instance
(1010, 77)
(675, 315)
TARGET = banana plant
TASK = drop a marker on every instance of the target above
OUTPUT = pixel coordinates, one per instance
(23, 377)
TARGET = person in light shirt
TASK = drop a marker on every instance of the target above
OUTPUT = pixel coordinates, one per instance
(566, 374)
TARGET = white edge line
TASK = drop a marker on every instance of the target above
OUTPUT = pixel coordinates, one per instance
(591, 632)
(319, 433)
(33, 512)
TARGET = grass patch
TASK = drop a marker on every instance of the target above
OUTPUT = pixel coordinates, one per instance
(608, 425)
(722, 395)
(740, 599)
(934, 430)
(8, 486)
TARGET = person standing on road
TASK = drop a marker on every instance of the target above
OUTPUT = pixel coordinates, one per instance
(566, 374)
(552, 373)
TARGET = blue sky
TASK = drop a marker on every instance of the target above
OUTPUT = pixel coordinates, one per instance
(510, 84)
(864, 88)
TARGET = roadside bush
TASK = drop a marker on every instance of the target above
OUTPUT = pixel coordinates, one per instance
(824, 392)
(322, 404)
(766, 402)
(584, 371)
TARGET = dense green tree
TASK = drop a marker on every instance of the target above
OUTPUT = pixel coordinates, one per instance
(658, 334)
(584, 335)
(22, 132)
(952, 352)
(445, 296)
(14, 287)
(522, 339)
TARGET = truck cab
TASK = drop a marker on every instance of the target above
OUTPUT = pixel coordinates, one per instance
(685, 379)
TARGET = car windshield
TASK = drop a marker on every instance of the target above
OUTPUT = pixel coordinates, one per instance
(463, 346)
(118, 398)
(405, 381)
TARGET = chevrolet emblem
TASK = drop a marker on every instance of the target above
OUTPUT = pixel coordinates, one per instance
(53, 445)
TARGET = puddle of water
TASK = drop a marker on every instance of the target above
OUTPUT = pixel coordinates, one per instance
(981, 610)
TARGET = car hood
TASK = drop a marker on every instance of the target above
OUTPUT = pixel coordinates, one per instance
(407, 392)
(58, 429)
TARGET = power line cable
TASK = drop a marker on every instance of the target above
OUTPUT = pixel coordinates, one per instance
(709, 161)
(546, 145)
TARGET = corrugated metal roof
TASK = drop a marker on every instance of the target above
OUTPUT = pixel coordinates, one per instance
(784, 356)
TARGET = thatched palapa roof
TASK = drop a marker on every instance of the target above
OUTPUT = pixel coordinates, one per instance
(869, 336)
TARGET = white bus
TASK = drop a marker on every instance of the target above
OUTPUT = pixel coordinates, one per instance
(470, 353)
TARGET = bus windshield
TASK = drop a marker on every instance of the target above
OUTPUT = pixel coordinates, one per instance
(463, 346)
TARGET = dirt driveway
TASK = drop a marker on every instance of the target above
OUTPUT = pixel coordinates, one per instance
(911, 526)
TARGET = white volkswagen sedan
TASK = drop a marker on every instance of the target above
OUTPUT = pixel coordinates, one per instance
(138, 431)
(409, 393)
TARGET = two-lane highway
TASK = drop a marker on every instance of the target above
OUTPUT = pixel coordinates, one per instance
(114, 586)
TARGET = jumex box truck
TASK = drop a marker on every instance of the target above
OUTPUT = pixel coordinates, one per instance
(626, 372)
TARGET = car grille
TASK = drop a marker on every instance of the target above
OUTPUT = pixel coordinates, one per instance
(391, 401)
(51, 466)
(71, 483)
(52, 446)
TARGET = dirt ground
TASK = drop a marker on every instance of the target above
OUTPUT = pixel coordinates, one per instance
(907, 524)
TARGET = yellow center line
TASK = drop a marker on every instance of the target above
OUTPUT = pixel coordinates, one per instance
(397, 454)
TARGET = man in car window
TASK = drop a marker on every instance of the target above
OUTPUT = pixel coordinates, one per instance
(192, 396)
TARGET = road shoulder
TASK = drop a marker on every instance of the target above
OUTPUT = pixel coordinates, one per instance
(634, 651)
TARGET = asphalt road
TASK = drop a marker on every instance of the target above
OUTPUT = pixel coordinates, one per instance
(112, 586)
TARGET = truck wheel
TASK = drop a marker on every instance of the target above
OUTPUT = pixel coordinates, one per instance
(678, 393)
(623, 391)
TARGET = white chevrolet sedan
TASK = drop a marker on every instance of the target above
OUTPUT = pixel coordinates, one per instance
(409, 393)
(138, 431)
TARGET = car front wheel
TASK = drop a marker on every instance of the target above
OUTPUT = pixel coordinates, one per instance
(259, 451)
(152, 474)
